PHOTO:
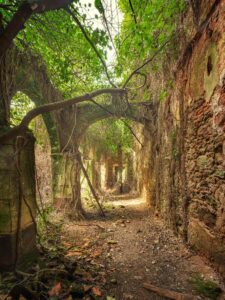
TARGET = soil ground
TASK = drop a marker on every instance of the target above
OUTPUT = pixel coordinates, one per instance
(132, 246)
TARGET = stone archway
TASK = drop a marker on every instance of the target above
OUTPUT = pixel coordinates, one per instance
(88, 114)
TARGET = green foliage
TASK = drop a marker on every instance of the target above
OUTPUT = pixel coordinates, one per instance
(20, 105)
(156, 24)
(99, 6)
(74, 67)
(107, 135)
(162, 95)
(206, 288)
(56, 39)
(72, 63)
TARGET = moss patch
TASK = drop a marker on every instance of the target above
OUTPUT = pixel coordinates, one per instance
(206, 288)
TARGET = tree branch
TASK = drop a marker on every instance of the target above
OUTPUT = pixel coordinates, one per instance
(136, 71)
(133, 13)
(51, 107)
(77, 21)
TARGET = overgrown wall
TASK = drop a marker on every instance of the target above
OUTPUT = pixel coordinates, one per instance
(188, 153)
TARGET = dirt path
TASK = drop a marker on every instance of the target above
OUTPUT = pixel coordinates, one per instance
(131, 247)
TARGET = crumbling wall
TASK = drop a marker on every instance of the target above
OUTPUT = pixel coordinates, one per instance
(17, 203)
(188, 156)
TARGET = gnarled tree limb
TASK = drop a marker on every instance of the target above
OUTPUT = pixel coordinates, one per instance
(17, 130)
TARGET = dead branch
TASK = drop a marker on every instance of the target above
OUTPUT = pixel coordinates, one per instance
(90, 224)
(21, 128)
(168, 293)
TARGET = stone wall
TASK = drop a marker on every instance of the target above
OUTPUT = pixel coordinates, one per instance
(188, 152)
(17, 203)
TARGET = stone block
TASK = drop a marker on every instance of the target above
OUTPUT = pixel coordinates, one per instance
(207, 243)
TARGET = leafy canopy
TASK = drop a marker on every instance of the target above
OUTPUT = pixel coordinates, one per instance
(54, 36)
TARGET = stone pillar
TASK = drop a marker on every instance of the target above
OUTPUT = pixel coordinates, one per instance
(17, 203)
(66, 184)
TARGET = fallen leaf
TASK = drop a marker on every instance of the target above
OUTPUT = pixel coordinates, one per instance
(73, 253)
(66, 244)
(55, 289)
(96, 291)
(96, 253)
(86, 245)
(111, 242)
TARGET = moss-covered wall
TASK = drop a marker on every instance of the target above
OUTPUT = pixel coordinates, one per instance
(17, 202)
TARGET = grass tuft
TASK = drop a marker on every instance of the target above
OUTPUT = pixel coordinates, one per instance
(206, 288)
